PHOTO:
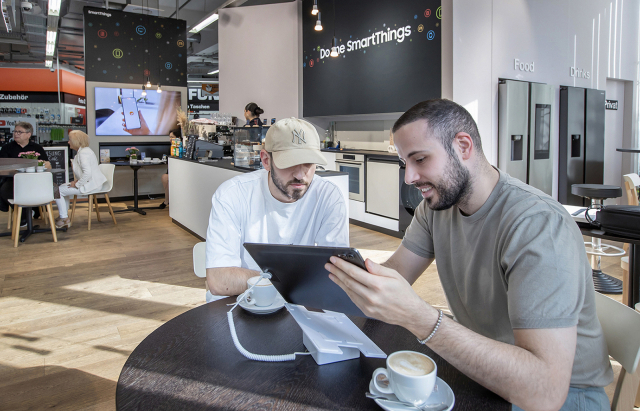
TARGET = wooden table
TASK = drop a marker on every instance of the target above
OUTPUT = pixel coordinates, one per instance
(8, 166)
(190, 363)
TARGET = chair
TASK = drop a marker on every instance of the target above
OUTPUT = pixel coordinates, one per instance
(200, 269)
(597, 193)
(107, 170)
(631, 183)
(621, 327)
(31, 190)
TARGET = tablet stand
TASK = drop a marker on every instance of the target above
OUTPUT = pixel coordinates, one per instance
(331, 337)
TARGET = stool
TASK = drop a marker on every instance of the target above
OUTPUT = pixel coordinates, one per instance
(597, 193)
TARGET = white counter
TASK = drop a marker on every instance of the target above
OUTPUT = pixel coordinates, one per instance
(192, 184)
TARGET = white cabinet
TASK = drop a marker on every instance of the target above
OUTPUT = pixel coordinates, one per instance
(331, 160)
(383, 187)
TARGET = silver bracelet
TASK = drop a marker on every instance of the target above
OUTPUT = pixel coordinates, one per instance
(434, 330)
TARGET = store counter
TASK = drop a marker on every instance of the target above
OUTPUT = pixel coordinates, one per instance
(192, 184)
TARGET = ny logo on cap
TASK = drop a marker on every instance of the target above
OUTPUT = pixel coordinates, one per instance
(299, 134)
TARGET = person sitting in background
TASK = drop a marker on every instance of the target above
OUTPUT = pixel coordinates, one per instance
(252, 114)
(177, 133)
(285, 203)
(86, 172)
(21, 143)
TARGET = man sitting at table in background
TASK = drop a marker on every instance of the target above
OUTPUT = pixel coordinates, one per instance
(285, 203)
(20, 144)
(512, 265)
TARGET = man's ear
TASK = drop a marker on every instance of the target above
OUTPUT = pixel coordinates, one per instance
(266, 160)
(464, 145)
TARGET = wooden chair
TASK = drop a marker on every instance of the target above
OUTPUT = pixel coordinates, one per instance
(621, 327)
(107, 170)
(31, 190)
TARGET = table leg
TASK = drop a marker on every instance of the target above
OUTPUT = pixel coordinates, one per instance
(135, 194)
(634, 276)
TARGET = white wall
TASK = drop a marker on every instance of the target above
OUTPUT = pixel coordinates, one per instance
(258, 49)
(599, 36)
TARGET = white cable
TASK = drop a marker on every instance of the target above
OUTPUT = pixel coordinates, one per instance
(236, 342)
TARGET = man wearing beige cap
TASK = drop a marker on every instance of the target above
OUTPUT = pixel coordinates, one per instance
(285, 203)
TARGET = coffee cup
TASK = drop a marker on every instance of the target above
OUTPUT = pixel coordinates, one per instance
(263, 294)
(411, 376)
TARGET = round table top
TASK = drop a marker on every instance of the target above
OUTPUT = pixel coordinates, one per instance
(628, 150)
(191, 363)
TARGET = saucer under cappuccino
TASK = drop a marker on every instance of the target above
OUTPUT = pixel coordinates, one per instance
(409, 363)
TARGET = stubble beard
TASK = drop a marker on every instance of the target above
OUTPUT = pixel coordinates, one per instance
(291, 193)
(453, 189)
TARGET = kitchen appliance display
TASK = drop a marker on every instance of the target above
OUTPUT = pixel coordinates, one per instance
(353, 164)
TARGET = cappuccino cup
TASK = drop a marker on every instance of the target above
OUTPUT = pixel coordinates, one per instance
(263, 294)
(411, 376)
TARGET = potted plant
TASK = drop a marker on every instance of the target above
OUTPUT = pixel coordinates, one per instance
(40, 167)
(132, 154)
(32, 155)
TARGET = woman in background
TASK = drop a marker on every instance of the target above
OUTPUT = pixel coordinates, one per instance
(165, 177)
(252, 114)
(86, 172)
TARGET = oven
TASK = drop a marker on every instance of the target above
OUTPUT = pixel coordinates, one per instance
(352, 164)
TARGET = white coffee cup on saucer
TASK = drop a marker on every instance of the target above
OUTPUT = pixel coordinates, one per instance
(262, 295)
(155, 160)
(411, 376)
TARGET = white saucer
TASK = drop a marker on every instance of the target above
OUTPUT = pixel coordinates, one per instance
(275, 306)
(442, 393)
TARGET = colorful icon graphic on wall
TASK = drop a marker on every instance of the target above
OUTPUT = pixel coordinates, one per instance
(117, 53)
(102, 33)
(158, 35)
(430, 35)
(311, 63)
(420, 28)
(439, 13)
(427, 13)
(180, 43)
(168, 65)
(141, 30)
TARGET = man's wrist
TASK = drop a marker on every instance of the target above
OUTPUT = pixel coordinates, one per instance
(423, 321)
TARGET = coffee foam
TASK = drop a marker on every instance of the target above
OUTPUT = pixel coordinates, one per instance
(411, 364)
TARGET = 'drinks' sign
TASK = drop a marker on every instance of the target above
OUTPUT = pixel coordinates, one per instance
(388, 56)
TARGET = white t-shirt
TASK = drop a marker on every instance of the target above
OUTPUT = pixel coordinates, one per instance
(244, 211)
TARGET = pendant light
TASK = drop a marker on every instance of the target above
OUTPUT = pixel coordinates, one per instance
(314, 10)
(148, 82)
(318, 23)
(334, 48)
(334, 43)
(144, 91)
(159, 89)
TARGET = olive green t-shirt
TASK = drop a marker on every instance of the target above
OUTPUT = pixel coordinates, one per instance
(518, 262)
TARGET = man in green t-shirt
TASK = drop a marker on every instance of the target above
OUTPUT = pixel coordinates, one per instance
(512, 265)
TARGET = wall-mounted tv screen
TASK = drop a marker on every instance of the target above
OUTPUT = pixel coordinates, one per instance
(125, 112)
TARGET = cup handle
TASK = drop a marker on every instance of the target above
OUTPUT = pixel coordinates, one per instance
(247, 301)
(383, 389)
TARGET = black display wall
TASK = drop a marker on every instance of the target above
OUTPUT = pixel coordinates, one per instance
(124, 47)
(389, 58)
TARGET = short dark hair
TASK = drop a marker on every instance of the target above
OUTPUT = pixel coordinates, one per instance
(445, 119)
(176, 132)
(27, 126)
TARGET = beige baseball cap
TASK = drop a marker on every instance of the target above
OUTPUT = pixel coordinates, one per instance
(293, 142)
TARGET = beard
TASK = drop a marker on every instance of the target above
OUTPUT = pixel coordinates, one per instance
(286, 189)
(452, 189)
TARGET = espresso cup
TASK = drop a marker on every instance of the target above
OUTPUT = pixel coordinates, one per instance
(411, 376)
(263, 294)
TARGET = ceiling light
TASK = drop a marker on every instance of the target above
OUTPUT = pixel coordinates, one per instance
(144, 91)
(318, 23)
(334, 48)
(48, 63)
(54, 7)
(314, 10)
(148, 82)
(159, 89)
(204, 23)
(214, 72)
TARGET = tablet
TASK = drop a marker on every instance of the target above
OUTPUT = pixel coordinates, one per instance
(299, 275)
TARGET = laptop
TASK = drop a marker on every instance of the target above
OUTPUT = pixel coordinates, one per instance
(298, 273)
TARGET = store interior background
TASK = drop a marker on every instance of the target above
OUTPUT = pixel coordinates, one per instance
(256, 46)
